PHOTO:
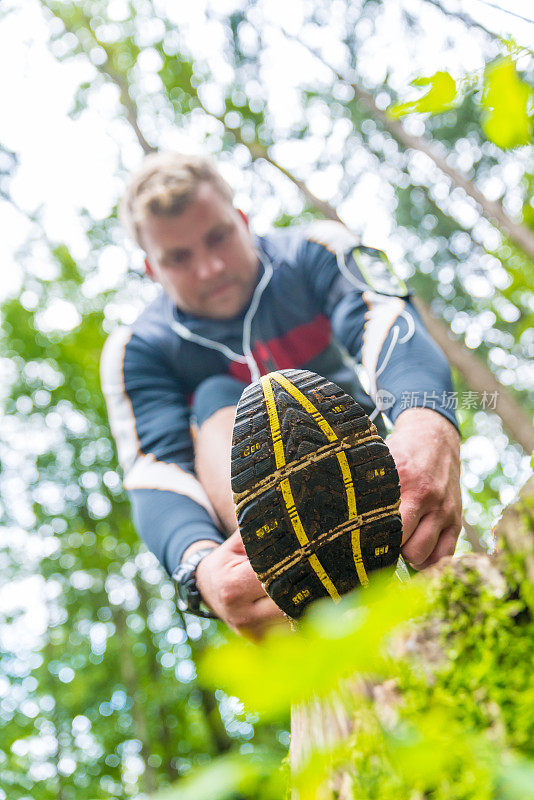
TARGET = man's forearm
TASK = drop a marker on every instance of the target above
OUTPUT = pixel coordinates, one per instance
(170, 523)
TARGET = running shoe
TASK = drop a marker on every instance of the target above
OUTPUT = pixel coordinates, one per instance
(315, 487)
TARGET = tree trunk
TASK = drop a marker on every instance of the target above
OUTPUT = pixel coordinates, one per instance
(322, 723)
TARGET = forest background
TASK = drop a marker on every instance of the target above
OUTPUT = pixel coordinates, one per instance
(99, 695)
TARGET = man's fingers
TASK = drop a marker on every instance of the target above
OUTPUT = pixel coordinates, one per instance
(445, 546)
(235, 543)
(412, 511)
(422, 542)
(265, 608)
(256, 632)
(410, 516)
(246, 585)
(242, 589)
(261, 616)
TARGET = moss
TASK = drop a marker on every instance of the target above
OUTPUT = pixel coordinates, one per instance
(466, 688)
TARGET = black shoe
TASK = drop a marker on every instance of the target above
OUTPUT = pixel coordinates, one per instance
(316, 489)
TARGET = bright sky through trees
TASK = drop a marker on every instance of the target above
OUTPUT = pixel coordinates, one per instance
(67, 164)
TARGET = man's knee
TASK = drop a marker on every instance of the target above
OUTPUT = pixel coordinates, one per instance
(214, 394)
(214, 406)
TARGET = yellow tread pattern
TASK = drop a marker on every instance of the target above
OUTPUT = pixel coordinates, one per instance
(308, 406)
(287, 494)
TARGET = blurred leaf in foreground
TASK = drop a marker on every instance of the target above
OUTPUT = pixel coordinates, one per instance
(437, 752)
(332, 642)
(516, 780)
(255, 775)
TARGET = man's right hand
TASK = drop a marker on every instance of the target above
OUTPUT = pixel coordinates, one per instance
(229, 586)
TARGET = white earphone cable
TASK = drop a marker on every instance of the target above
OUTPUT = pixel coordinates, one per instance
(405, 314)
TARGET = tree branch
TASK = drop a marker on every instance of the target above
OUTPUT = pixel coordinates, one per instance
(107, 69)
(465, 18)
(507, 11)
(522, 236)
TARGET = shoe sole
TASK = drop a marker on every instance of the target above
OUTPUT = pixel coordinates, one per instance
(315, 487)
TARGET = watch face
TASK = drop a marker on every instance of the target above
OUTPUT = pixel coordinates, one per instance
(191, 594)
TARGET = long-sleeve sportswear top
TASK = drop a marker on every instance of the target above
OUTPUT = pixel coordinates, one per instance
(322, 302)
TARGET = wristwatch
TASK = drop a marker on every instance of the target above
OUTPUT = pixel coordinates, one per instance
(189, 597)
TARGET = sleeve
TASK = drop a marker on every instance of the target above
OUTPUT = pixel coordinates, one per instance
(149, 420)
(372, 314)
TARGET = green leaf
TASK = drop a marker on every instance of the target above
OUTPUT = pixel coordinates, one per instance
(258, 775)
(332, 642)
(439, 97)
(516, 780)
(425, 753)
(320, 766)
(506, 99)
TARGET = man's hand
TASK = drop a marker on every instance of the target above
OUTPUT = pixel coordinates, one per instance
(426, 450)
(229, 586)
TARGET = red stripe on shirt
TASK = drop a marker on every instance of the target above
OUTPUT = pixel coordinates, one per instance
(291, 350)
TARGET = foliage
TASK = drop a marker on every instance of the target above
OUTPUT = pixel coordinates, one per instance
(508, 101)
(451, 713)
(329, 644)
(440, 96)
(99, 696)
(255, 775)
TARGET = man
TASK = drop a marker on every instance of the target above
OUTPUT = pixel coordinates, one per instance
(235, 306)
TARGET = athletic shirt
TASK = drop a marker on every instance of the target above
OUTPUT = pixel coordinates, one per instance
(322, 302)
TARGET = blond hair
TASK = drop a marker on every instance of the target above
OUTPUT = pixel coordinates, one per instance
(165, 185)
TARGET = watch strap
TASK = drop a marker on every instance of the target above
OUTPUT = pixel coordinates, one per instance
(189, 597)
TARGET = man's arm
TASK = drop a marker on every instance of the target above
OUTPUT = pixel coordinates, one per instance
(174, 514)
(149, 420)
(405, 366)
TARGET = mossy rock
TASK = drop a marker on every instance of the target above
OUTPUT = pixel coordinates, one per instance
(458, 724)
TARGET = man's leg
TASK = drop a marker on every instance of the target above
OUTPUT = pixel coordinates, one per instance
(213, 448)
(225, 578)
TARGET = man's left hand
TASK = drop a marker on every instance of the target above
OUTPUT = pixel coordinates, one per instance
(426, 450)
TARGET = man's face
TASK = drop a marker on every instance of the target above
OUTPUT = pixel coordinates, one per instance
(204, 258)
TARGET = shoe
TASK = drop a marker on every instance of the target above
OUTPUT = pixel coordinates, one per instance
(315, 487)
